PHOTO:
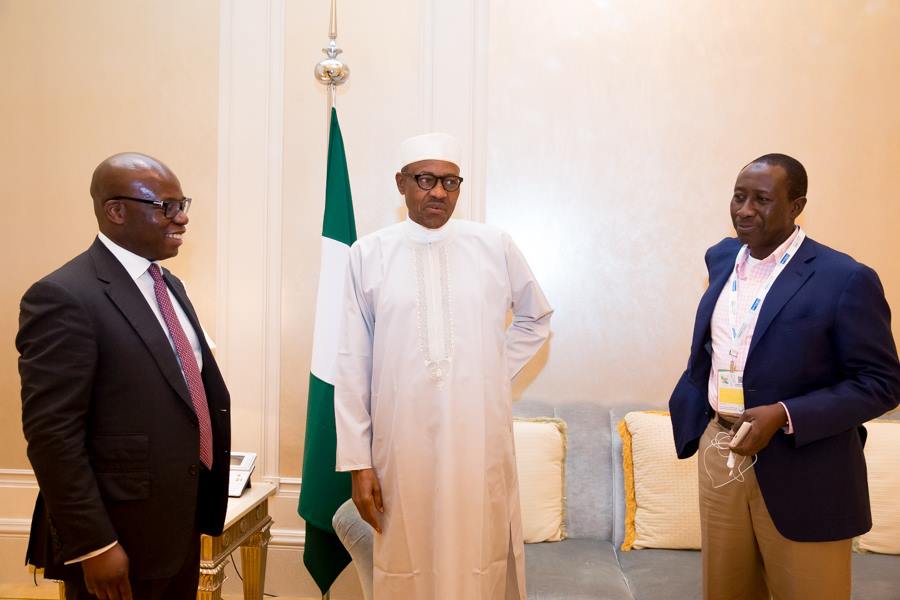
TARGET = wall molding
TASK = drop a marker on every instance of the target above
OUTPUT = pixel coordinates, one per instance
(426, 64)
(289, 486)
(286, 539)
(479, 122)
(273, 263)
(454, 47)
(250, 169)
(283, 506)
(17, 478)
(15, 528)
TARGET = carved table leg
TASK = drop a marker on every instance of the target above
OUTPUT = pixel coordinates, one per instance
(253, 561)
(210, 587)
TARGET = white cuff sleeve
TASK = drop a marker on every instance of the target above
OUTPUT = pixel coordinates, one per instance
(84, 557)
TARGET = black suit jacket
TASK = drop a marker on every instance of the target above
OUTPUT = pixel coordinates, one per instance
(823, 346)
(111, 431)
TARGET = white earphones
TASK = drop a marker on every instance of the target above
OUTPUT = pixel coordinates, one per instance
(738, 437)
(723, 442)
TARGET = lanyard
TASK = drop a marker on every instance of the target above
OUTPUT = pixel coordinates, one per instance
(737, 333)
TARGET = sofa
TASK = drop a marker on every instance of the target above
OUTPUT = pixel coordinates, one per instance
(589, 564)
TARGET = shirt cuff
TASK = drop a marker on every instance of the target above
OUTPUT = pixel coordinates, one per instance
(346, 468)
(84, 557)
(789, 428)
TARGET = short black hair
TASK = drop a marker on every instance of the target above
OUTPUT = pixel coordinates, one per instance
(796, 174)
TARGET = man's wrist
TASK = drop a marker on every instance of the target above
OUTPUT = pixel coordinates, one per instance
(97, 552)
(788, 425)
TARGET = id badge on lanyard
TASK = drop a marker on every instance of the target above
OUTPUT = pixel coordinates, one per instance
(731, 392)
(730, 382)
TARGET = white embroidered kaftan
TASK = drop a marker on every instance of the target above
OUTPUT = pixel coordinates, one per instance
(422, 394)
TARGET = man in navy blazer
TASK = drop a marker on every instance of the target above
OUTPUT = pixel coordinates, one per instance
(794, 338)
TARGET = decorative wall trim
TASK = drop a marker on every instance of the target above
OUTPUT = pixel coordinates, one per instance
(17, 478)
(426, 65)
(223, 181)
(16, 528)
(250, 165)
(289, 486)
(481, 12)
(454, 47)
(272, 395)
(288, 539)
(14, 482)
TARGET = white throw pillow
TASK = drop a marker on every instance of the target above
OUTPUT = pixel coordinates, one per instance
(541, 463)
(882, 451)
(661, 491)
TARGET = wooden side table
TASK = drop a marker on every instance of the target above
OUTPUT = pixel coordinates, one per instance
(247, 525)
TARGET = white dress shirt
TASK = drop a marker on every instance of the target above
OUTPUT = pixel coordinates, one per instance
(137, 267)
(752, 275)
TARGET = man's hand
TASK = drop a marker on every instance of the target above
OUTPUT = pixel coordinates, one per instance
(766, 421)
(367, 496)
(106, 575)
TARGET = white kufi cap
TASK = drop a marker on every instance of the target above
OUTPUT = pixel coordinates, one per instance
(430, 146)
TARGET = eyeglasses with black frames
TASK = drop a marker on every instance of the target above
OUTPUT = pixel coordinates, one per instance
(427, 181)
(170, 208)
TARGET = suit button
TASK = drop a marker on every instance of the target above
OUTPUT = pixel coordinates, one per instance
(192, 470)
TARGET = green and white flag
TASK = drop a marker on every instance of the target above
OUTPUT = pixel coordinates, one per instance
(323, 490)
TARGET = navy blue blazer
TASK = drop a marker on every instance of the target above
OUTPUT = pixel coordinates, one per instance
(823, 346)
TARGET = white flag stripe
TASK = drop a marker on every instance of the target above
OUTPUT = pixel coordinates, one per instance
(332, 274)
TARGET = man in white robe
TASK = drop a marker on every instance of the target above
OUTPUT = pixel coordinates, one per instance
(422, 390)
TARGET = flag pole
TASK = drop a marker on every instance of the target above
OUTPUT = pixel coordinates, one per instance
(332, 71)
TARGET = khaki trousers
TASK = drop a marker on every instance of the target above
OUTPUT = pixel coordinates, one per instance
(744, 556)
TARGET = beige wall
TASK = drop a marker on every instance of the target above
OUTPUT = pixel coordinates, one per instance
(614, 133)
(617, 130)
(80, 81)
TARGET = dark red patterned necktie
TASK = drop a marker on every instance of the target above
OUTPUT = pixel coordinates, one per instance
(188, 364)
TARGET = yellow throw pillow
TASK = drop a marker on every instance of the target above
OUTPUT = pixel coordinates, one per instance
(541, 462)
(882, 450)
(661, 492)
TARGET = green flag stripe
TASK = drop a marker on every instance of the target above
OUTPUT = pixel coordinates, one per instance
(323, 489)
(328, 560)
(338, 223)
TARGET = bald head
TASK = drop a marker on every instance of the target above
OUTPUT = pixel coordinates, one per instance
(127, 174)
(129, 190)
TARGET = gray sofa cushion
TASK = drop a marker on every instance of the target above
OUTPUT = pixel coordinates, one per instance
(654, 574)
(574, 569)
(589, 466)
(876, 576)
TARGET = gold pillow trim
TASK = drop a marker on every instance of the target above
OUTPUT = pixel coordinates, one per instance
(628, 472)
(564, 431)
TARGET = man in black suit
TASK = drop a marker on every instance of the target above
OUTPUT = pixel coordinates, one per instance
(124, 409)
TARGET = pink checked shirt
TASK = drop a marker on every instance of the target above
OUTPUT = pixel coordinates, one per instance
(752, 274)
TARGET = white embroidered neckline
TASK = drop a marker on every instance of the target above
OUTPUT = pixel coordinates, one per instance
(434, 314)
